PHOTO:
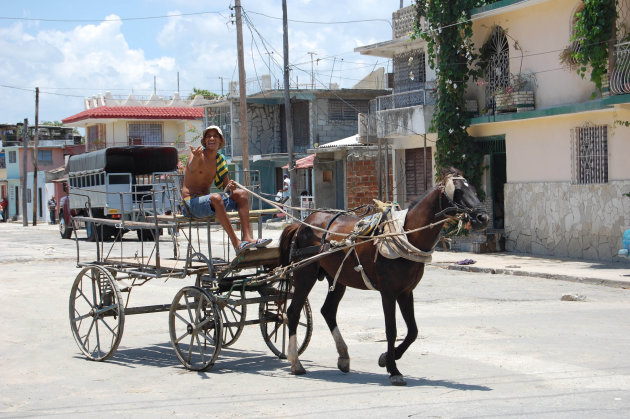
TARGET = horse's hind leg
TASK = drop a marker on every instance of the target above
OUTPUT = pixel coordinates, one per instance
(329, 311)
(304, 279)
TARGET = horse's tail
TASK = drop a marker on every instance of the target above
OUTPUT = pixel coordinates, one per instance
(286, 238)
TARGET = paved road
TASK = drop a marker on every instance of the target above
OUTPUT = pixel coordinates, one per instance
(489, 346)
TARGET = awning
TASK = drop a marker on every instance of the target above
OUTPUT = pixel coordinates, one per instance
(303, 163)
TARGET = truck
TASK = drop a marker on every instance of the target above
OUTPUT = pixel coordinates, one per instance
(127, 183)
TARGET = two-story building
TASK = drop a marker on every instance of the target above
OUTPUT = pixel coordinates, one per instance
(54, 143)
(319, 116)
(557, 157)
(110, 121)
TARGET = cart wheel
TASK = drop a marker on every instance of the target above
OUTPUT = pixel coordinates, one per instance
(233, 318)
(97, 315)
(274, 323)
(195, 328)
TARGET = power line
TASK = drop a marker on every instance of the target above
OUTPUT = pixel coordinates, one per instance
(86, 20)
(342, 22)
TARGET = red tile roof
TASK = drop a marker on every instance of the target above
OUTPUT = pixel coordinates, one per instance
(136, 112)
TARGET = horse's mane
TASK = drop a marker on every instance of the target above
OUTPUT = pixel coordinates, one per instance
(441, 178)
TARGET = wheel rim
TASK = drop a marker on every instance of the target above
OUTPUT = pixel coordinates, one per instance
(232, 317)
(97, 316)
(274, 323)
(195, 328)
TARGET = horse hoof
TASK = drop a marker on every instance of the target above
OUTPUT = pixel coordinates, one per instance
(343, 364)
(397, 380)
(382, 360)
(299, 370)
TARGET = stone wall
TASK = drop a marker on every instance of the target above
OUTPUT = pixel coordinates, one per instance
(565, 220)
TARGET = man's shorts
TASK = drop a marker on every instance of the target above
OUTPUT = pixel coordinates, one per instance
(200, 206)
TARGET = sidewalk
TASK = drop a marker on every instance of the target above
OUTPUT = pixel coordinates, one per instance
(613, 274)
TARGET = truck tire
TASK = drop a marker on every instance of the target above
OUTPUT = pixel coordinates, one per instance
(64, 229)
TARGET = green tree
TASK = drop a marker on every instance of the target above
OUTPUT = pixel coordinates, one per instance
(207, 94)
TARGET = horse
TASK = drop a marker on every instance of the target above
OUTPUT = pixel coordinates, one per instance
(395, 279)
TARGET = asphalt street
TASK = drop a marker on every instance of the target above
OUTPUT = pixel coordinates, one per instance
(490, 345)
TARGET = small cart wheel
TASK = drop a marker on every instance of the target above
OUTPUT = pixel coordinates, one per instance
(233, 318)
(97, 314)
(195, 328)
(274, 324)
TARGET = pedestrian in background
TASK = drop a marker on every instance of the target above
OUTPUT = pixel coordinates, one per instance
(52, 206)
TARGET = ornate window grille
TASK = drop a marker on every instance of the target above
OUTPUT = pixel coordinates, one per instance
(497, 72)
(589, 154)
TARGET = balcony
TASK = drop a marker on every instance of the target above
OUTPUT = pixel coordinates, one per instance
(399, 114)
(620, 74)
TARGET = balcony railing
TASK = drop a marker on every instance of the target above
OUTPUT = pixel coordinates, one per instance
(403, 100)
(620, 75)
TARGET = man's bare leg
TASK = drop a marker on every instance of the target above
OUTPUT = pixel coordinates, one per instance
(240, 197)
(224, 220)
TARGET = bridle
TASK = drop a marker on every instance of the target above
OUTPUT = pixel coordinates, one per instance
(447, 189)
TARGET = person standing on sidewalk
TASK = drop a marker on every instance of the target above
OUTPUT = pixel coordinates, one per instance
(52, 206)
(4, 208)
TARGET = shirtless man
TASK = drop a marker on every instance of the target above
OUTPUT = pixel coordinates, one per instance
(205, 165)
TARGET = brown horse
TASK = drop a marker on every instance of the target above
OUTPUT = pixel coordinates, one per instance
(395, 279)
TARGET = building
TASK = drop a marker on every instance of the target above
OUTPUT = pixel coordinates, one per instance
(110, 121)
(557, 154)
(319, 116)
(54, 143)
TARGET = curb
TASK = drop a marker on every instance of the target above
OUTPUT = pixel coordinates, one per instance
(584, 280)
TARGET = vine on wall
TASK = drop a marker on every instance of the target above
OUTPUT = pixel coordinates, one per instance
(594, 28)
(451, 51)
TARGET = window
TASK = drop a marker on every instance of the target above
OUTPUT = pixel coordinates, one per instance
(12, 156)
(589, 154)
(409, 71)
(96, 137)
(346, 110)
(44, 156)
(145, 133)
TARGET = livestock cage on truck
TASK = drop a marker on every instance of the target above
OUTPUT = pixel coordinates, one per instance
(118, 183)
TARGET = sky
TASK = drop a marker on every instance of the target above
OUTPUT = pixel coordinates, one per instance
(76, 49)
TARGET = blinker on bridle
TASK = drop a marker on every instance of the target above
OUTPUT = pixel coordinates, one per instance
(448, 190)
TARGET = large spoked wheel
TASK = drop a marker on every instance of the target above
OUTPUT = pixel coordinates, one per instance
(233, 318)
(97, 315)
(274, 324)
(195, 328)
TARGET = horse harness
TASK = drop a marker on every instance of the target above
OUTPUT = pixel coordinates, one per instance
(393, 247)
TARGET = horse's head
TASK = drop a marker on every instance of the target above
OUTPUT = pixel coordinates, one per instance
(462, 200)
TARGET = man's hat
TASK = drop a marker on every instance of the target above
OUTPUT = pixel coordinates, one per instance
(203, 135)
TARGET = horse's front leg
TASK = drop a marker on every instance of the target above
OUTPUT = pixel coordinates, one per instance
(329, 311)
(405, 302)
(389, 309)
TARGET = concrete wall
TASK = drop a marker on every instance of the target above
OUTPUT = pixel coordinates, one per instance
(560, 219)
(324, 130)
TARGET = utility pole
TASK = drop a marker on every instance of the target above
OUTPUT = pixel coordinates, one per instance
(24, 172)
(287, 103)
(312, 70)
(35, 156)
(243, 90)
